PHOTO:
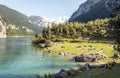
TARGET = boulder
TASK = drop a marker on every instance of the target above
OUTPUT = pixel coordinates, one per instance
(116, 56)
(61, 74)
(62, 46)
(72, 72)
(62, 53)
(50, 51)
(90, 57)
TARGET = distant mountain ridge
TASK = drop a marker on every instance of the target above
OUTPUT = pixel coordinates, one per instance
(91, 10)
(45, 21)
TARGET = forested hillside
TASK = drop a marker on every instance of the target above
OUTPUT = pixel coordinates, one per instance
(15, 22)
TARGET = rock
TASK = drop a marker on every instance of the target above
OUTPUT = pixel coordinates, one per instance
(61, 74)
(79, 58)
(84, 8)
(62, 47)
(87, 66)
(90, 10)
(49, 51)
(2, 29)
(65, 54)
(62, 53)
(90, 57)
(78, 47)
(72, 72)
(113, 5)
(116, 56)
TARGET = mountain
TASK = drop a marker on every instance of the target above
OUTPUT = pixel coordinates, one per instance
(59, 20)
(45, 21)
(38, 23)
(113, 6)
(14, 23)
(91, 10)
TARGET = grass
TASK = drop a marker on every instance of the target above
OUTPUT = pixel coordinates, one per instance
(84, 48)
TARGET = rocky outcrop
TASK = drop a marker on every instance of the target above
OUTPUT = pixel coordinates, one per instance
(113, 5)
(2, 29)
(90, 57)
(61, 74)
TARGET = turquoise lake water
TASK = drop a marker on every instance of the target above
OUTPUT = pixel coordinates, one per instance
(20, 59)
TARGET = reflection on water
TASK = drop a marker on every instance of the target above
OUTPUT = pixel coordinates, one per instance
(19, 59)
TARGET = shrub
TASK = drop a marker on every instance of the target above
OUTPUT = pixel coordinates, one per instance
(40, 36)
(48, 43)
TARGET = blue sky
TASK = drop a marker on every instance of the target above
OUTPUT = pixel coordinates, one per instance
(48, 8)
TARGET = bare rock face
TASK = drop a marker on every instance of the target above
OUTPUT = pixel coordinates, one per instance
(113, 5)
(83, 8)
(2, 29)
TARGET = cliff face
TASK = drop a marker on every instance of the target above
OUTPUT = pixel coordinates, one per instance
(94, 9)
(113, 6)
(83, 8)
(2, 29)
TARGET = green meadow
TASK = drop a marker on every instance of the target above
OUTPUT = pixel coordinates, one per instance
(81, 48)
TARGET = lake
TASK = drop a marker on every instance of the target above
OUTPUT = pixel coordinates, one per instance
(20, 59)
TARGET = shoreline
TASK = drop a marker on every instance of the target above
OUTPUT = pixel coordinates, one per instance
(18, 37)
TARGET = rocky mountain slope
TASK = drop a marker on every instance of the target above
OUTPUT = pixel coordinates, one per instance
(2, 29)
(93, 9)
(113, 6)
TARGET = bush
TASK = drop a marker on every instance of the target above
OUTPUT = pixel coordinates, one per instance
(38, 41)
(40, 36)
(42, 45)
(48, 43)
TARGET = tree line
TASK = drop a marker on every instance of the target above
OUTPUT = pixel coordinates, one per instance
(93, 30)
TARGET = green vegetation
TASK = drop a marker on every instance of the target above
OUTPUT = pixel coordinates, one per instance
(99, 30)
(115, 23)
(20, 32)
(11, 16)
(93, 30)
(80, 48)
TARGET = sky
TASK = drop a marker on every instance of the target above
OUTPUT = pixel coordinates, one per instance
(45, 8)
